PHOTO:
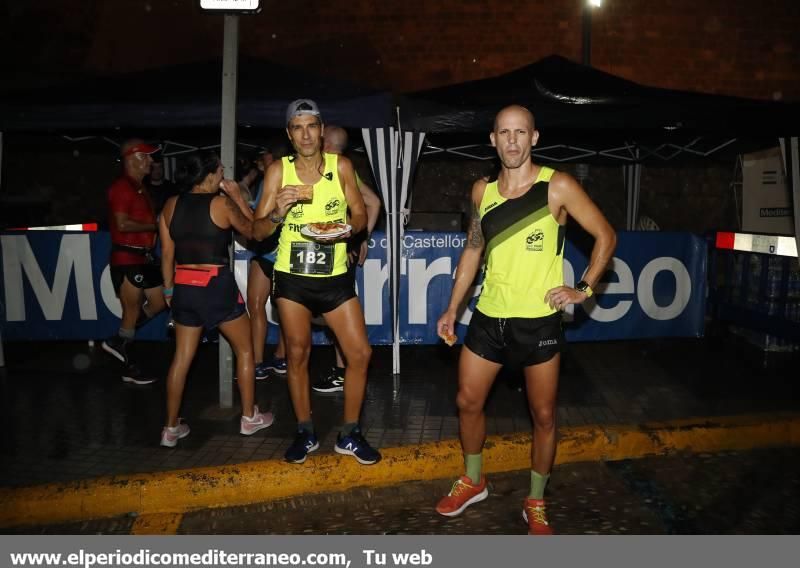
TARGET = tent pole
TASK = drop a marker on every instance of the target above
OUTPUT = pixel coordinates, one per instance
(230, 60)
(790, 150)
(632, 175)
(2, 355)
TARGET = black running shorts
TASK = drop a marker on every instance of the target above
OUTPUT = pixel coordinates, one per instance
(515, 341)
(319, 295)
(208, 306)
(144, 276)
(266, 266)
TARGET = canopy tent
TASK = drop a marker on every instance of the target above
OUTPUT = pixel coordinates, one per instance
(188, 96)
(183, 99)
(587, 115)
(586, 106)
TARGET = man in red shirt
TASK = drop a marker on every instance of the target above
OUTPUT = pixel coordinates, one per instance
(135, 272)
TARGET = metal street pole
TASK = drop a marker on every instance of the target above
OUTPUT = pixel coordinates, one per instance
(587, 33)
(230, 62)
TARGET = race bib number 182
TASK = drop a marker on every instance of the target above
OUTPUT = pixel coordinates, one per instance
(311, 258)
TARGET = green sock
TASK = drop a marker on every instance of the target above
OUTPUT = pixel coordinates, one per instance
(474, 463)
(538, 483)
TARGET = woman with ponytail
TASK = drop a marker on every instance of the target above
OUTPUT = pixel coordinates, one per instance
(196, 229)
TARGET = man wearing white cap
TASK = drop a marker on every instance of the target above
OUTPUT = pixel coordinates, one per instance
(134, 271)
(310, 191)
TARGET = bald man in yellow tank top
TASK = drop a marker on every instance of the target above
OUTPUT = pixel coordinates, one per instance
(518, 222)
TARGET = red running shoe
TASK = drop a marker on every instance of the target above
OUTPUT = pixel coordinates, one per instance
(534, 513)
(462, 495)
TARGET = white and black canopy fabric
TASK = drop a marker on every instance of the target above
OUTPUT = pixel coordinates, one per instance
(393, 156)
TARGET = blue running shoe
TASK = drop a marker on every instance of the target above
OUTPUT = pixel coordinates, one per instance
(276, 366)
(355, 445)
(304, 443)
(262, 372)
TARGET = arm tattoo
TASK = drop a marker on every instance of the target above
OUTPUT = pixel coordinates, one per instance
(475, 238)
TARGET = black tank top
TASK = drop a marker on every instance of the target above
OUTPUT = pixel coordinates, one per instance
(197, 239)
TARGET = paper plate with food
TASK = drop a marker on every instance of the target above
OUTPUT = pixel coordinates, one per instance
(325, 230)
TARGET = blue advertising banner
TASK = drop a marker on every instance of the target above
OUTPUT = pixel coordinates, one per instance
(57, 285)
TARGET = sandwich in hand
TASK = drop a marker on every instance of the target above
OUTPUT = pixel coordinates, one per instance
(305, 192)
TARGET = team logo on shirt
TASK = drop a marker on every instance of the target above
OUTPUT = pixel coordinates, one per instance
(332, 206)
(535, 241)
(297, 211)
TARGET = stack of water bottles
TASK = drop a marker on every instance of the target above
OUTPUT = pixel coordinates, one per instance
(767, 299)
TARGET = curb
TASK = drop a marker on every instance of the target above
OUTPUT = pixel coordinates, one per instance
(225, 486)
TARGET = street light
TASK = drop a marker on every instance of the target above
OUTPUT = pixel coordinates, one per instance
(588, 6)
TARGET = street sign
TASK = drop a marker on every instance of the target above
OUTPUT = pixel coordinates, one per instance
(231, 6)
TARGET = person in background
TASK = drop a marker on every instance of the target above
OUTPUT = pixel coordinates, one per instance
(158, 185)
(196, 230)
(259, 287)
(335, 142)
(135, 271)
(519, 222)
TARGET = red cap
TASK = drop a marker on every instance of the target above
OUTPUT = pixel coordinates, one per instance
(141, 147)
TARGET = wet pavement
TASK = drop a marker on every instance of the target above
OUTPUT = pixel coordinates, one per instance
(754, 492)
(66, 414)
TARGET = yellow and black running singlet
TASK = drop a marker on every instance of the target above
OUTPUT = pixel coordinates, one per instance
(297, 253)
(524, 251)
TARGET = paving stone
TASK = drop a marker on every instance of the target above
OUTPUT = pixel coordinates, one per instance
(62, 425)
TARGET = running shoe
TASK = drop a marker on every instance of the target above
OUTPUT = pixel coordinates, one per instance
(334, 382)
(462, 495)
(116, 347)
(276, 366)
(355, 445)
(262, 372)
(171, 434)
(304, 443)
(535, 514)
(133, 375)
(259, 421)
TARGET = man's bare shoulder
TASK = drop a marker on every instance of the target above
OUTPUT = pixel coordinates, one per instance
(479, 188)
(276, 166)
(563, 185)
(344, 163)
(274, 172)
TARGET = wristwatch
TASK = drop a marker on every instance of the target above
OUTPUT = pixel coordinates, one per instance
(584, 287)
(275, 219)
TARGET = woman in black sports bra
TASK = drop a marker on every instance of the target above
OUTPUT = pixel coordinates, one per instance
(196, 229)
